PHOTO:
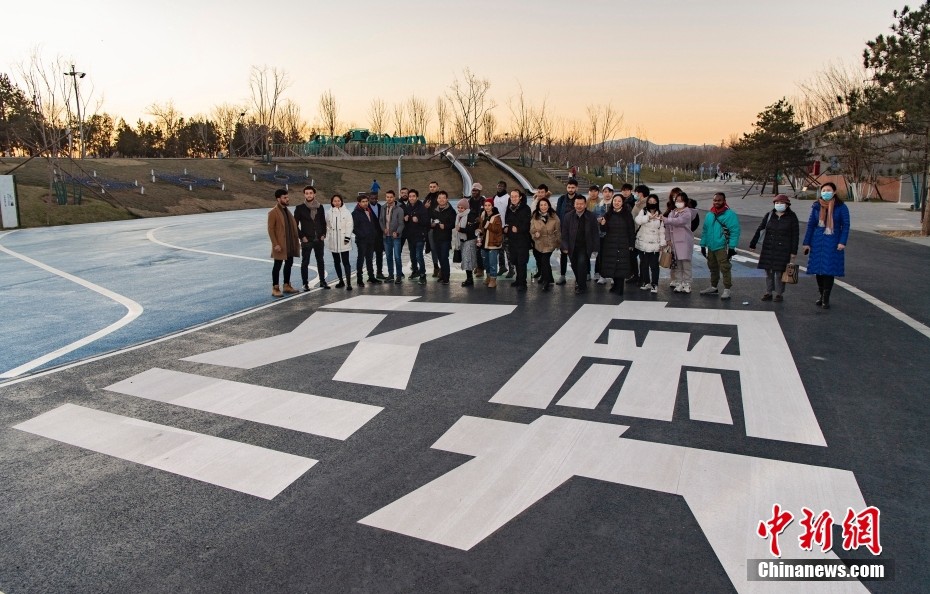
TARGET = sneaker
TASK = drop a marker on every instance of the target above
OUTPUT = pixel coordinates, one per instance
(374, 280)
(712, 291)
(602, 281)
(306, 287)
(767, 297)
(561, 281)
(654, 289)
(645, 287)
(511, 273)
(443, 281)
(725, 294)
(422, 279)
(398, 280)
(676, 287)
(389, 278)
(686, 288)
(597, 276)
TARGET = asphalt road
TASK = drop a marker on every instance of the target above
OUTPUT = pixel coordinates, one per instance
(519, 498)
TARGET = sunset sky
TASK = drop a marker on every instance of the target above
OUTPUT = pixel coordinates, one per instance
(691, 72)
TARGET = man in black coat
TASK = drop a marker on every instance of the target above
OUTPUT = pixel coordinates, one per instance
(518, 233)
(311, 229)
(580, 239)
(442, 222)
(416, 225)
(365, 227)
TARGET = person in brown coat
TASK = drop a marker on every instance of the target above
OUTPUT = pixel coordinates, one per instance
(285, 246)
(546, 231)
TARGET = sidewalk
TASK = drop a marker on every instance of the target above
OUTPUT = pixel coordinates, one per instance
(872, 217)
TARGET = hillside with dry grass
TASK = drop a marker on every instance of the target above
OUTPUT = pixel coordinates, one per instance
(39, 207)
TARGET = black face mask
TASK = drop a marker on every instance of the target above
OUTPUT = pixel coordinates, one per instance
(652, 207)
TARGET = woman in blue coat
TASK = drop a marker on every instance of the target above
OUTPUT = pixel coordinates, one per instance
(825, 241)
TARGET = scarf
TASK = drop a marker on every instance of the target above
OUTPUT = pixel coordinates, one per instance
(721, 210)
(826, 215)
(288, 232)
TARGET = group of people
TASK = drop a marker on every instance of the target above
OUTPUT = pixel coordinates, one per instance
(628, 232)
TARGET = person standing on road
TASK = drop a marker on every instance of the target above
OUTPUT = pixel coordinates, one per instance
(650, 238)
(311, 225)
(779, 245)
(681, 237)
(603, 205)
(501, 202)
(375, 208)
(825, 240)
(490, 239)
(618, 229)
(416, 224)
(429, 203)
(636, 204)
(466, 223)
(391, 222)
(580, 239)
(546, 231)
(565, 205)
(443, 223)
(476, 202)
(285, 245)
(718, 244)
(365, 225)
(518, 232)
(339, 239)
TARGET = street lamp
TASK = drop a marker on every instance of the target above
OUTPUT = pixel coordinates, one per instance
(77, 99)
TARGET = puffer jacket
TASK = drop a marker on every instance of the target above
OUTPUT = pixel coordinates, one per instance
(651, 235)
(550, 233)
(714, 236)
(338, 229)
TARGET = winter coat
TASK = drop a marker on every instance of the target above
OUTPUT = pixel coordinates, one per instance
(395, 225)
(565, 204)
(416, 231)
(780, 241)
(338, 229)
(311, 228)
(365, 226)
(570, 224)
(466, 223)
(446, 218)
(680, 235)
(492, 231)
(282, 230)
(651, 235)
(824, 257)
(616, 244)
(550, 233)
(713, 236)
(519, 218)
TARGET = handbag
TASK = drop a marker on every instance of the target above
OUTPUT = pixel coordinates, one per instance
(665, 257)
(790, 275)
(457, 256)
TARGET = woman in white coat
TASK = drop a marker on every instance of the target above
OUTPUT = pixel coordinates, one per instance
(650, 238)
(339, 239)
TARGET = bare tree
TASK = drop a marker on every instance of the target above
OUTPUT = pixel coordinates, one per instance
(603, 123)
(329, 112)
(488, 127)
(290, 123)
(820, 98)
(266, 85)
(442, 117)
(169, 119)
(528, 125)
(226, 116)
(400, 119)
(420, 115)
(377, 113)
(51, 95)
(469, 102)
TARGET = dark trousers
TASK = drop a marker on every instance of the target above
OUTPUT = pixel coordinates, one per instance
(276, 270)
(563, 263)
(649, 267)
(417, 264)
(597, 260)
(505, 258)
(442, 256)
(544, 264)
(635, 255)
(581, 263)
(520, 256)
(824, 282)
(379, 254)
(344, 257)
(366, 249)
(305, 251)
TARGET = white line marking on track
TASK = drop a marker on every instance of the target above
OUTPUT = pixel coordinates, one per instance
(888, 309)
(133, 311)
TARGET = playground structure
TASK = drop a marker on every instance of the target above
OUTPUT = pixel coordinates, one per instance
(281, 177)
(357, 142)
(525, 183)
(460, 167)
(188, 180)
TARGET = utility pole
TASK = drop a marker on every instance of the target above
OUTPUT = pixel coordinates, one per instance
(77, 99)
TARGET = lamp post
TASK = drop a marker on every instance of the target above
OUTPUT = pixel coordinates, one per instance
(77, 100)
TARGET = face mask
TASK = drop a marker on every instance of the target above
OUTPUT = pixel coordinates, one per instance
(826, 195)
(652, 207)
(679, 205)
(780, 207)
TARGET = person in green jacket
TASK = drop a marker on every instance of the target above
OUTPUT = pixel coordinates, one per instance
(718, 244)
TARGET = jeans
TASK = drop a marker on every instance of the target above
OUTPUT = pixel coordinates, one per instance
(276, 270)
(581, 263)
(305, 250)
(442, 255)
(417, 265)
(392, 246)
(490, 261)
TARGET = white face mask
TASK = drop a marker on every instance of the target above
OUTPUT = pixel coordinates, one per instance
(780, 207)
(679, 205)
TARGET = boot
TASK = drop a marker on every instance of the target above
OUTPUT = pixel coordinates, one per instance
(435, 271)
(276, 291)
(340, 284)
(323, 284)
(359, 282)
(479, 272)
(289, 289)
(348, 283)
(487, 280)
(826, 299)
(819, 301)
(492, 282)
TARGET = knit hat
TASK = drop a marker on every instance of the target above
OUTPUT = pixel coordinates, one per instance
(476, 186)
(489, 200)
(463, 203)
